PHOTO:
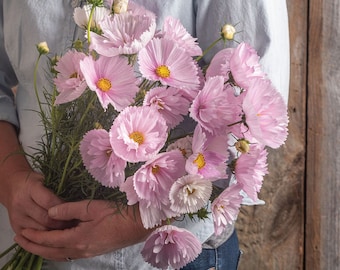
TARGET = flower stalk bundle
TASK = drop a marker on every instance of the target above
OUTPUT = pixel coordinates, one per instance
(134, 119)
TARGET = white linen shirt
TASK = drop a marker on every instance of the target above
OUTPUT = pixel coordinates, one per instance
(23, 24)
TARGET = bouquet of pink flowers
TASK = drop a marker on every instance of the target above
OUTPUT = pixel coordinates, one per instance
(128, 99)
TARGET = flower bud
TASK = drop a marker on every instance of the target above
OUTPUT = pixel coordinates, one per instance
(228, 32)
(43, 48)
(242, 145)
(98, 125)
(120, 6)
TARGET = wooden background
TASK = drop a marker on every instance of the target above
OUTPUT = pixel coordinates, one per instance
(299, 227)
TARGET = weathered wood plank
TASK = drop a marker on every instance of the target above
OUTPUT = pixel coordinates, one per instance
(272, 235)
(323, 137)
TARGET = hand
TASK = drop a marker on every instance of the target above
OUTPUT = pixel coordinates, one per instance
(28, 202)
(101, 229)
(21, 189)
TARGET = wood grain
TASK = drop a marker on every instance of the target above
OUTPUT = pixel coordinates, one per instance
(323, 137)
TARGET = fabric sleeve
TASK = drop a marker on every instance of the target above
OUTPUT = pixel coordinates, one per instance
(261, 23)
(7, 81)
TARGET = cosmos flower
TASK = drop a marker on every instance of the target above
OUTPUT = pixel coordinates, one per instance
(225, 207)
(169, 102)
(211, 108)
(266, 113)
(70, 81)
(182, 144)
(190, 193)
(171, 246)
(154, 179)
(123, 33)
(250, 168)
(209, 163)
(162, 60)
(219, 65)
(244, 65)
(112, 79)
(151, 214)
(138, 133)
(81, 16)
(100, 160)
(174, 30)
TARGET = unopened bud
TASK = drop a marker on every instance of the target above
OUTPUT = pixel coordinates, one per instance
(120, 6)
(242, 145)
(43, 48)
(98, 125)
(228, 32)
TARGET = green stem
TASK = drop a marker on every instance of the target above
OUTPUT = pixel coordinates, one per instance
(89, 23)
(208, 49)
(38, 263)
(8, 250)
(87, 109)
(73, 147)
(65, 171)
(37, 93)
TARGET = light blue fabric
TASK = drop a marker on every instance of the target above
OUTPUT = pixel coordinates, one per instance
(262, 23)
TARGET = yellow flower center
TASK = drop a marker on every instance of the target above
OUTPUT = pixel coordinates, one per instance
(137, 137)
(74, 75)
(184, 152)
(104, 84)
(190, 190)
(199, 161)
(108, 152)
(155, 169)
(163, 71)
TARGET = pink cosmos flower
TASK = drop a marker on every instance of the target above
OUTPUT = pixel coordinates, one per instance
(174, 30)
(123, 33)
(244, 65)
(138, 133)
(171, 246)
(250, 168)
(190, 193)
(130, 191)
(99, 159)
(182, 144)
(162, 60)
(266, 113)
(151, 214)
(112, 79)
(169, 102)
(219, 65)
(154, 179)
(70, 82)
(209, 163)
(225, 207)
(211, 108)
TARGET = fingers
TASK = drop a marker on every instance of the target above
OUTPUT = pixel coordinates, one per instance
(44, 197)
(48, 252)
(57, 244)
(83, 210)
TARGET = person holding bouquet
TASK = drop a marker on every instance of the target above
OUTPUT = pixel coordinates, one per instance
(89, 234)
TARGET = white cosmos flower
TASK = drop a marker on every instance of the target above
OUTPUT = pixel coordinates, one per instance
(81, 16)
(190, 193)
